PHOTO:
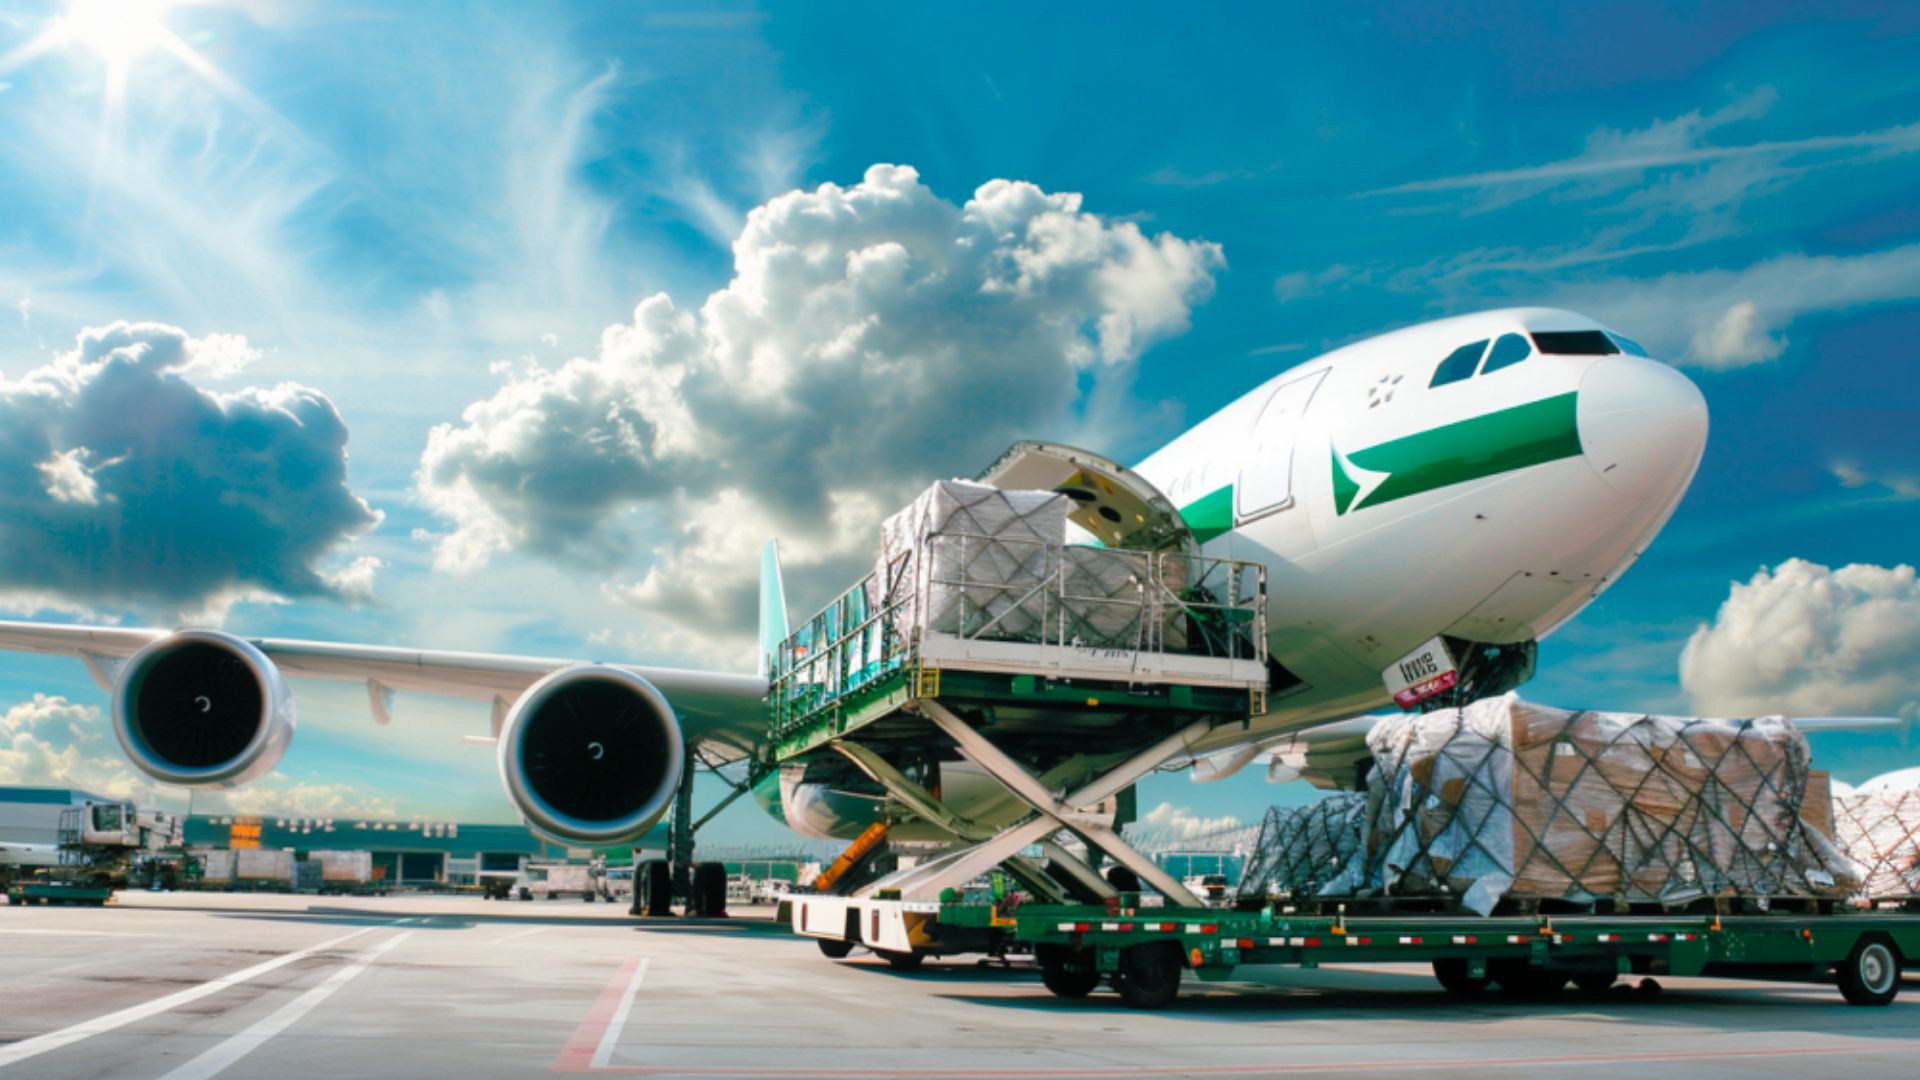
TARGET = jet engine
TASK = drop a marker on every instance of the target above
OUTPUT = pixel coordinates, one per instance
(592, 755)
(202, 709)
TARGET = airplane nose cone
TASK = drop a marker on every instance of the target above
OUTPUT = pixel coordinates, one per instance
(1643, 425)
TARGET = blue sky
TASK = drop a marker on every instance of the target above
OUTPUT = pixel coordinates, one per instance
(427, 215)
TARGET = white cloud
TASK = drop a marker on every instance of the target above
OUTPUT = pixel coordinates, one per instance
(862, 323)
(1853, 475)
(123, 483)
(1806, 640)
(1169, 822)
(1723, 319)
(50, 741)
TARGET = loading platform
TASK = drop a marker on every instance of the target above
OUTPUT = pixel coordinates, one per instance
(1065, 672)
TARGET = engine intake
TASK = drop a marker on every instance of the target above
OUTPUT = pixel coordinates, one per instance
(202, 709)
(592, 755)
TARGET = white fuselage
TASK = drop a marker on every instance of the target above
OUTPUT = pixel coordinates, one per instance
(1495, 509)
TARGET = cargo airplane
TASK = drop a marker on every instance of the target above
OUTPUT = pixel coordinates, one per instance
(1428, 504)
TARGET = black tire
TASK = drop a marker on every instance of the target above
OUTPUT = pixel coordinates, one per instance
(1870, 975)
(653, 889)
(834, 948)
(1593, 982)
(1522, 979)
(1067, 973)
(903, 961)
(709, 890)
(1455, 977)
(1149, 975)
(1123, 879)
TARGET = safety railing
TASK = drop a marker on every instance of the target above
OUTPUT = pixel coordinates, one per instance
(1021, 591)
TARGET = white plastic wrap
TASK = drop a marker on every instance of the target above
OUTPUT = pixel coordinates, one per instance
(999, 543)
(344, 867)
(1880, 830)
(1302, 850)
(1505, 798)
(263, 864)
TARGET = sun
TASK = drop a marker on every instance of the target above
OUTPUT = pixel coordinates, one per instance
(118, 30)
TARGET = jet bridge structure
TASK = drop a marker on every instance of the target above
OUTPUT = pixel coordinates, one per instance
(1064, 671)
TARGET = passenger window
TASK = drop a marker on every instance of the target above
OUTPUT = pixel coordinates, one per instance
(1508, 351)
(1459, 364)
(1631, 346)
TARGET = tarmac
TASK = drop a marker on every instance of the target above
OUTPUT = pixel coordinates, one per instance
(196, 985)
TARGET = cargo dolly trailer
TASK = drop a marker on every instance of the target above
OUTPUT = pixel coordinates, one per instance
(1143, 951)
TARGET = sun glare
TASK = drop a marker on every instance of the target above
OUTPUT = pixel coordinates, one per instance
(118, 30)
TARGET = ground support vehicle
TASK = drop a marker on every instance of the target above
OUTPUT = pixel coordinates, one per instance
(1142, 951)
(58, 892)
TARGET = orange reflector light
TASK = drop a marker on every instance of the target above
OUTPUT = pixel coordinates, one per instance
(1196, 957)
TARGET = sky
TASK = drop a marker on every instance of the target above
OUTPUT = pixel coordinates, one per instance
(519, 328)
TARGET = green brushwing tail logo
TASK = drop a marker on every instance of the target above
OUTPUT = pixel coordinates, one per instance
(1470, 449)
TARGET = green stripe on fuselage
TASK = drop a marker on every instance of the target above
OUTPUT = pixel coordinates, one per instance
(1480, 446)
(1210, 515)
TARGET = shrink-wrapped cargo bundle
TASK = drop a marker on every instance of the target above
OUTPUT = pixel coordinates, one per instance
(1505, 798)
(978, 551)
(263, 864)
(344, 867)
(1880, 830)
(1302, 849)
(216, 865)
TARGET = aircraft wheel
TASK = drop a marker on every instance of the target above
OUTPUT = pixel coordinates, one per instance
(1067, 973)
(904, 961)
(834, 948)
(1149, 976)
(1454, 977)
(653, 889)
(1595, 981)
(1870, 975)
(710, 890)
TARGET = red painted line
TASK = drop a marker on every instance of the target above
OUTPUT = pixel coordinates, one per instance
(577, 1055)
(1384, 1066)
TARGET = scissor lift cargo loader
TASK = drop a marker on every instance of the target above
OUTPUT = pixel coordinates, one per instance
(1065, 679)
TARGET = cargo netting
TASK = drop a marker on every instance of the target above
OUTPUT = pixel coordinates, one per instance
(1303, 849)
(1503, 798)
(1880, 830)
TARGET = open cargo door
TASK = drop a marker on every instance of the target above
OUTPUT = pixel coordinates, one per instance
(1114, 503)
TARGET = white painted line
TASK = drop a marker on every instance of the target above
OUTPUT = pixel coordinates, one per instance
(611, 1039)
(518, 936)
(216, 1060)
(78, 933)
(54, 1040)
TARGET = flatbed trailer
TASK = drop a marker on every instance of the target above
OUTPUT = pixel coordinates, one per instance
(58, 892)
(1142, 951)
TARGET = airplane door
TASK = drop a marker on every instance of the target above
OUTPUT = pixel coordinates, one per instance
(1266, 474)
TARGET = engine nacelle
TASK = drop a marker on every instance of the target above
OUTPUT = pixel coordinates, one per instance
(202, 709)
(592, 755)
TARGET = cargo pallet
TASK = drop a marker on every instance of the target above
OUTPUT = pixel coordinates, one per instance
(1142, 951)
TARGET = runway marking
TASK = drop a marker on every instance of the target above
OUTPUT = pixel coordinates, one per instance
(214, 1061)
(518, 936)
(1379, 1067)
(599, 1030)
(78, 933)
(54, 1040)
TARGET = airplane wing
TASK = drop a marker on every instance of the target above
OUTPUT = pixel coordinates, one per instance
(722, 712)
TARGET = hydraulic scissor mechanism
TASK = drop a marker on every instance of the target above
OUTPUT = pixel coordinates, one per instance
(1084, 806)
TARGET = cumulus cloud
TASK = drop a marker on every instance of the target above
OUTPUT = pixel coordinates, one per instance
(53, 742)
(1807, 640)
(124, 483)
(872, 338)
(1721, 319)
(1853, 475)
(1167, 822)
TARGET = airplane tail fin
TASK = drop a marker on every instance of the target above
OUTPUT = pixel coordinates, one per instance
(773, 605)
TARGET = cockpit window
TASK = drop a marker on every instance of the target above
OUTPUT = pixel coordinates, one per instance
(1508, 351)
(1630, 346)
(1459, 364)
(1574, 342)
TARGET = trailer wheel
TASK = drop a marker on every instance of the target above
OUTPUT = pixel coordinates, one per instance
(903, 961)
(1593, 982)
(1522, 979)
(1067, 973)
(1123, 879)
(1149, 975)
(1870, 975)
(834, 948)
(1454, 977)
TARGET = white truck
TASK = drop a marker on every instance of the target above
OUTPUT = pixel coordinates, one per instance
(553, 880)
